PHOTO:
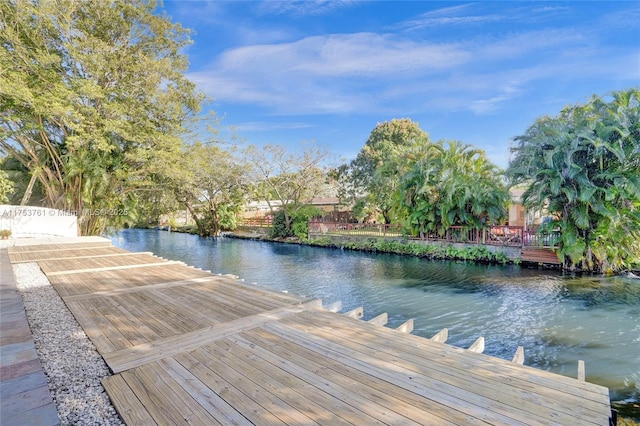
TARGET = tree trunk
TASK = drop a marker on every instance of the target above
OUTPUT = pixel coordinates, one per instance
(201, 226)
(27, 192)
(214, 223)
(287, 222)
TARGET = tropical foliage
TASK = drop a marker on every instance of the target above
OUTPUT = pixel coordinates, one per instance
(449, 184)
(371, 179)
(6, 187)
(25, 191)
(211, 184)
(299, 226)
(583, 168)
(425, 186)
(429, 251)
(91, 94)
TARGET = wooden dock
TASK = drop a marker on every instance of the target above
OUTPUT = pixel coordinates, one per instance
(540, 255)
(190, 347)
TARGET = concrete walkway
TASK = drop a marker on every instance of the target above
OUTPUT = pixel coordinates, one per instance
(24, 394)
(19, 242)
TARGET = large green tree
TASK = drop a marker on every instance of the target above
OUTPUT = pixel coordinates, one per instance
(287, 181)
(583, 168)
(371, 179)
(211, 184)
(446, 185)
(91, 94)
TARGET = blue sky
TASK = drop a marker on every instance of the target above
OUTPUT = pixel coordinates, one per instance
(290, 72)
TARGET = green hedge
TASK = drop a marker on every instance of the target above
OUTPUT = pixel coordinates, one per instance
(476, 254)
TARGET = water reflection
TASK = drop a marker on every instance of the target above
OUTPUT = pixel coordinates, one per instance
(557, 319)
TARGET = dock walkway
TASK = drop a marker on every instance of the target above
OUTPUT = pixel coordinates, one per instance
(541, 255)
(191, 347)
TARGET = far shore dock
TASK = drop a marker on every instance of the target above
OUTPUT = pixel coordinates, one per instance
(187, 346)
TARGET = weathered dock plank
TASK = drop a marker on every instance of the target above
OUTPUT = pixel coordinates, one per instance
(190, 347)
(127, 404)
(92, 283)
(450, 368)
(58, 247)
(413, 345)
(127, 358)
(340, 381)
(73, 253)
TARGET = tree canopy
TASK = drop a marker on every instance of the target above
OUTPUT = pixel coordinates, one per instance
(582, 167)
(211, 184)
(92, 93)
(287, 181)
(371, 179)
(449, 184)
(426, 186)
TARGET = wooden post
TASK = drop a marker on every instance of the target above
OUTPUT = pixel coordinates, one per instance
(442, 336)
(478, 345)
(380, 319)
(581, 372)
(521, 236)
(518, 357)
(356, 313)
(313, 304)
(334, 307)
(406, 327)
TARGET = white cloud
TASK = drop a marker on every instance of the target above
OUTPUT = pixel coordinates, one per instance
(334, 73)
(455, 15)
(371, 73)
(622, 19)
(303, 7)
(424, 22)
(547, 9)
(483, 106)
(343, 55)
(535, 45)
(325, 63)
(261, 126)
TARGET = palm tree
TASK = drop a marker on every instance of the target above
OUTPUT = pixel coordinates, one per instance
(98, 190)
(450, 185)
(583, 167)
(371, 179)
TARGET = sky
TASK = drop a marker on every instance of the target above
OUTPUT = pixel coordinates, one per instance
(292, 72)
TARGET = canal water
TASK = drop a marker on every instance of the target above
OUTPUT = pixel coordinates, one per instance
(558, 319)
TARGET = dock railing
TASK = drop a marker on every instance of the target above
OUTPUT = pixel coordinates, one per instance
(497, 235)
(359, 229)
(262, 222)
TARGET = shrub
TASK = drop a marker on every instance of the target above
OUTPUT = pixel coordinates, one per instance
(476, 254)
(299, 223)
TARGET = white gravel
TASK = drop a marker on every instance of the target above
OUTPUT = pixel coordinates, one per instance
(71, 363)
